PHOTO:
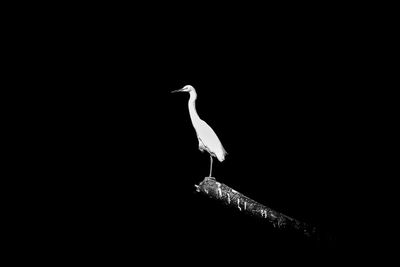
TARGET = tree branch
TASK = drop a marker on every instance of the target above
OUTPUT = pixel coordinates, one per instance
(230, 197)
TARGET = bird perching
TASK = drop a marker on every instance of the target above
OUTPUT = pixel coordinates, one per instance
(208, 139)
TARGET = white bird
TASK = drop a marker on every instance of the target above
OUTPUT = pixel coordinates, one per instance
(208, 139)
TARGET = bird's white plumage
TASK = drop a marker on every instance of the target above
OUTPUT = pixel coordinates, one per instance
(208, 139)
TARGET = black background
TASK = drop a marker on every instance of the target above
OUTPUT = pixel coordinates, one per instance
(283, 97)
(288, 131)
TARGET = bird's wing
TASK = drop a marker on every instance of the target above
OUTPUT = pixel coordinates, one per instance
(210, 140)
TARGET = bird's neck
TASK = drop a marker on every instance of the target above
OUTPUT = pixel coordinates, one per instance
(192, 107)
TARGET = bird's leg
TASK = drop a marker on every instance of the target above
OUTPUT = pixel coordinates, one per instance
(211, 161)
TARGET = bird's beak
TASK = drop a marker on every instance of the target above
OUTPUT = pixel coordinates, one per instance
(176, 91)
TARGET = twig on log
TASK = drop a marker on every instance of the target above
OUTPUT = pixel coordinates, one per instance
(231, 197)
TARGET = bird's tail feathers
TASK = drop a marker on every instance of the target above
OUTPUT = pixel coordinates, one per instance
(225, 153)
(222, 156)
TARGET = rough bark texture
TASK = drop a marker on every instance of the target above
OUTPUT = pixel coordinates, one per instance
(230, 197)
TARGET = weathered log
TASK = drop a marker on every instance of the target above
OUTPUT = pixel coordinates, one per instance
(230, 197)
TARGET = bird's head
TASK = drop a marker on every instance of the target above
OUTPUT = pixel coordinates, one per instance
(187, 88)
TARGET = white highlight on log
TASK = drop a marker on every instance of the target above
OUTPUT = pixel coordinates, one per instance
(219, 190)
(229, 199)
(206, 191)
(238, 201)
(264, 213)
(273, 215)
(234, 191)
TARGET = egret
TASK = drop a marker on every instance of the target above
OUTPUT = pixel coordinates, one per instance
(208, 139)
